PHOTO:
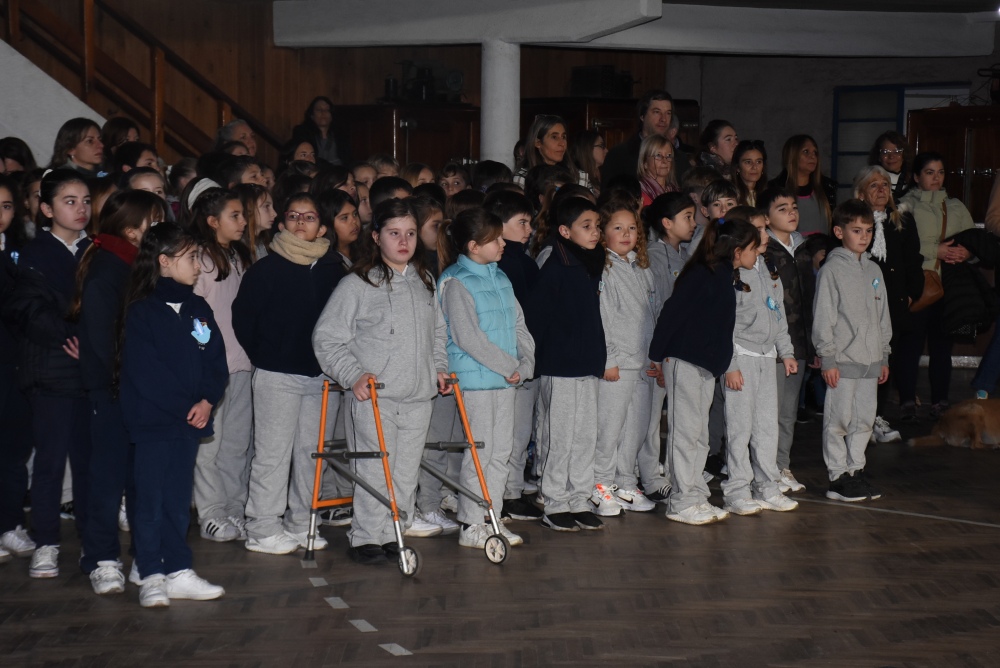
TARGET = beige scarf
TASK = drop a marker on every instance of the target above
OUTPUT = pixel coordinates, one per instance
(296, 250)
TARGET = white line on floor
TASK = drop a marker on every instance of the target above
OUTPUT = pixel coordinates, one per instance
(900, 512)
(363, 626)
(337, 603)
(318, 582)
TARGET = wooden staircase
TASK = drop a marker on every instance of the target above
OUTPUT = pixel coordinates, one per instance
(28, 23)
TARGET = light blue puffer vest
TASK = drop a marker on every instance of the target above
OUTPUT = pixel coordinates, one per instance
(496, 307)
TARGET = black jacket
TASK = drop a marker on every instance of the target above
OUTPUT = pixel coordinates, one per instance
(696, 324)
(563, 314)
(799, 292)
(968, 299)
(103, 293)
(276, 309)
(520, 269)
(36, 311)
(903, 272)
(621, 159)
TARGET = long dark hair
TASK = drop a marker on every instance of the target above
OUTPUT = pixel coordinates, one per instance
(471, 225)
(168, 239)
(211, 204)
(539, 128)
(790, 158)
(70, 134)
(718, 245)
(372, 256)
(15, 233)
(250, 195)
(52, 183)
(744, 147)
(15, 149)
(122, 211)
(667, 205)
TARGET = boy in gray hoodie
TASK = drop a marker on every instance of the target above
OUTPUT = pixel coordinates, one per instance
(851, 332)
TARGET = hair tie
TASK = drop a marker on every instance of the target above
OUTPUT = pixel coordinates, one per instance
(98, 242)
(722, 221)
(46, 173)
(198, 189)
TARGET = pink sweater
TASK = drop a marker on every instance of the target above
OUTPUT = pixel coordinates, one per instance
(220, 296)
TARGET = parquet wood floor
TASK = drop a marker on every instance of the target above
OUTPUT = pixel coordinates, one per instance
(910, 580)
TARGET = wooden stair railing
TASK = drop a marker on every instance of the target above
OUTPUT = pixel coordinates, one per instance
(99, 72)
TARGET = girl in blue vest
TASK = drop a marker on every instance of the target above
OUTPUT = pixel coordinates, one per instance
(173, 371)
(490, 350)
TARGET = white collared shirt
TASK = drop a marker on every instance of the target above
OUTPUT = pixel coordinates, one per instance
(74, 245)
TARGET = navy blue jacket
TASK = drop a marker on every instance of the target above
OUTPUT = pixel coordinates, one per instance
(101, 305)
(276, 309)
(166, 369)
(563, 314)
(696, 323)
(36, 312)
(520, 269)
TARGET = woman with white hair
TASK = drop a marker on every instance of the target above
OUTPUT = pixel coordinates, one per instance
(895, 248)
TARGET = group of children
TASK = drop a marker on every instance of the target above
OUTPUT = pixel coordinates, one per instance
(177, 362)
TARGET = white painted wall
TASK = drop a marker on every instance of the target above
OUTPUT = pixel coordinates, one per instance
(35, 105)
(772, 98)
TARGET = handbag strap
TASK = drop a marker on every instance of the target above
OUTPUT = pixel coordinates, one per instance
(944, 227)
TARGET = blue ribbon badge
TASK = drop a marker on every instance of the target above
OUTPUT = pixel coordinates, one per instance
(202, 332)
(773, 305)
(875, 283)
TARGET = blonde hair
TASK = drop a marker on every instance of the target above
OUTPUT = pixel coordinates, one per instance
(618, 203)
(650, 145)
(864, 178)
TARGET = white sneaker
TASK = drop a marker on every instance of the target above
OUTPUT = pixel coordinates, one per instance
(319, 543)
(123, 518)
(447, 525)
(539, 499)
(279, 543)
(511, 537)
(4, 555)
(153, 593)
(134, 577)
(720, 513)
(634, 500)
(604, 502)
(240, 523)
(707, 476)
(450, 502)
(696, 515)
(186, 584)
(17, 542)
(789, 481)
(219, 529)
(475, 536)
(882, 432)
(107, 578)
(421, 528)
(530, 487)
(778, 502)
(45, 562)
(743, 507)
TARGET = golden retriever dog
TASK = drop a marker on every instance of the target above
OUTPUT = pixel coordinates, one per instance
(968, 424)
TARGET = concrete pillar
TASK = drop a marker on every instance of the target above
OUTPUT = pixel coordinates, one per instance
(500, 118)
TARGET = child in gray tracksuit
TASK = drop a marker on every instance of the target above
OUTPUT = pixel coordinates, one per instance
(624, 394)
(384, 323)
(751, 391)
(851, 332)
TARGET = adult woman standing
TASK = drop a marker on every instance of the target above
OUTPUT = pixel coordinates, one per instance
(719, 141)
(78, 146)
(546, 144)
(589, 151)
(895, 248)
(656, 168)
(817, 194)
(749, 169)
(893, 154)
(317, 128)
(937, 217)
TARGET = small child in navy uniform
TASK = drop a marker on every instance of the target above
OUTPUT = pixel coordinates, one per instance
(173, 371)
(851, 331)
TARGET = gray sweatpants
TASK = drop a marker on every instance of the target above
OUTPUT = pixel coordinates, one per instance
(848, 416)
(648, 458)
(220, 470)
(334, 485)
(689, 398)
(491, 418)
(570, 419)
(404, 426)
(524, 421)
(752, 432)
(788, 409)
(286, 433)
(623, 406)
(445, 425)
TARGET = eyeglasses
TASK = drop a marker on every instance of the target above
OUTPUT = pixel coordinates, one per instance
(601, 146)
(295, 216)
(890, 151)
(659, 157)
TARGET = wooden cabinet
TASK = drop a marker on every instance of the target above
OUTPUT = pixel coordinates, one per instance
(433, 134)
(969, 140)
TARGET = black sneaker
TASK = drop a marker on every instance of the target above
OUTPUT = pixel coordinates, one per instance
(391, 550)
(660, 495)
(368, 555)
(805, 416)
(66, 511)
(865, 482)
(337, 517)
(847, 488)
(908, 412)
(560, 522)
(714, 465)
(520, 509)
(587, 520)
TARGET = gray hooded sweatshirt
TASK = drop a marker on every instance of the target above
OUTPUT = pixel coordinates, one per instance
(760, 317)
(851, 327)
(628, 312)
(393, 329)
(666, 263)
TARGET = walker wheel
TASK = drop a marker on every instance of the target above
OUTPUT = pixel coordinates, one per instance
(409, 562)
(497, 548)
